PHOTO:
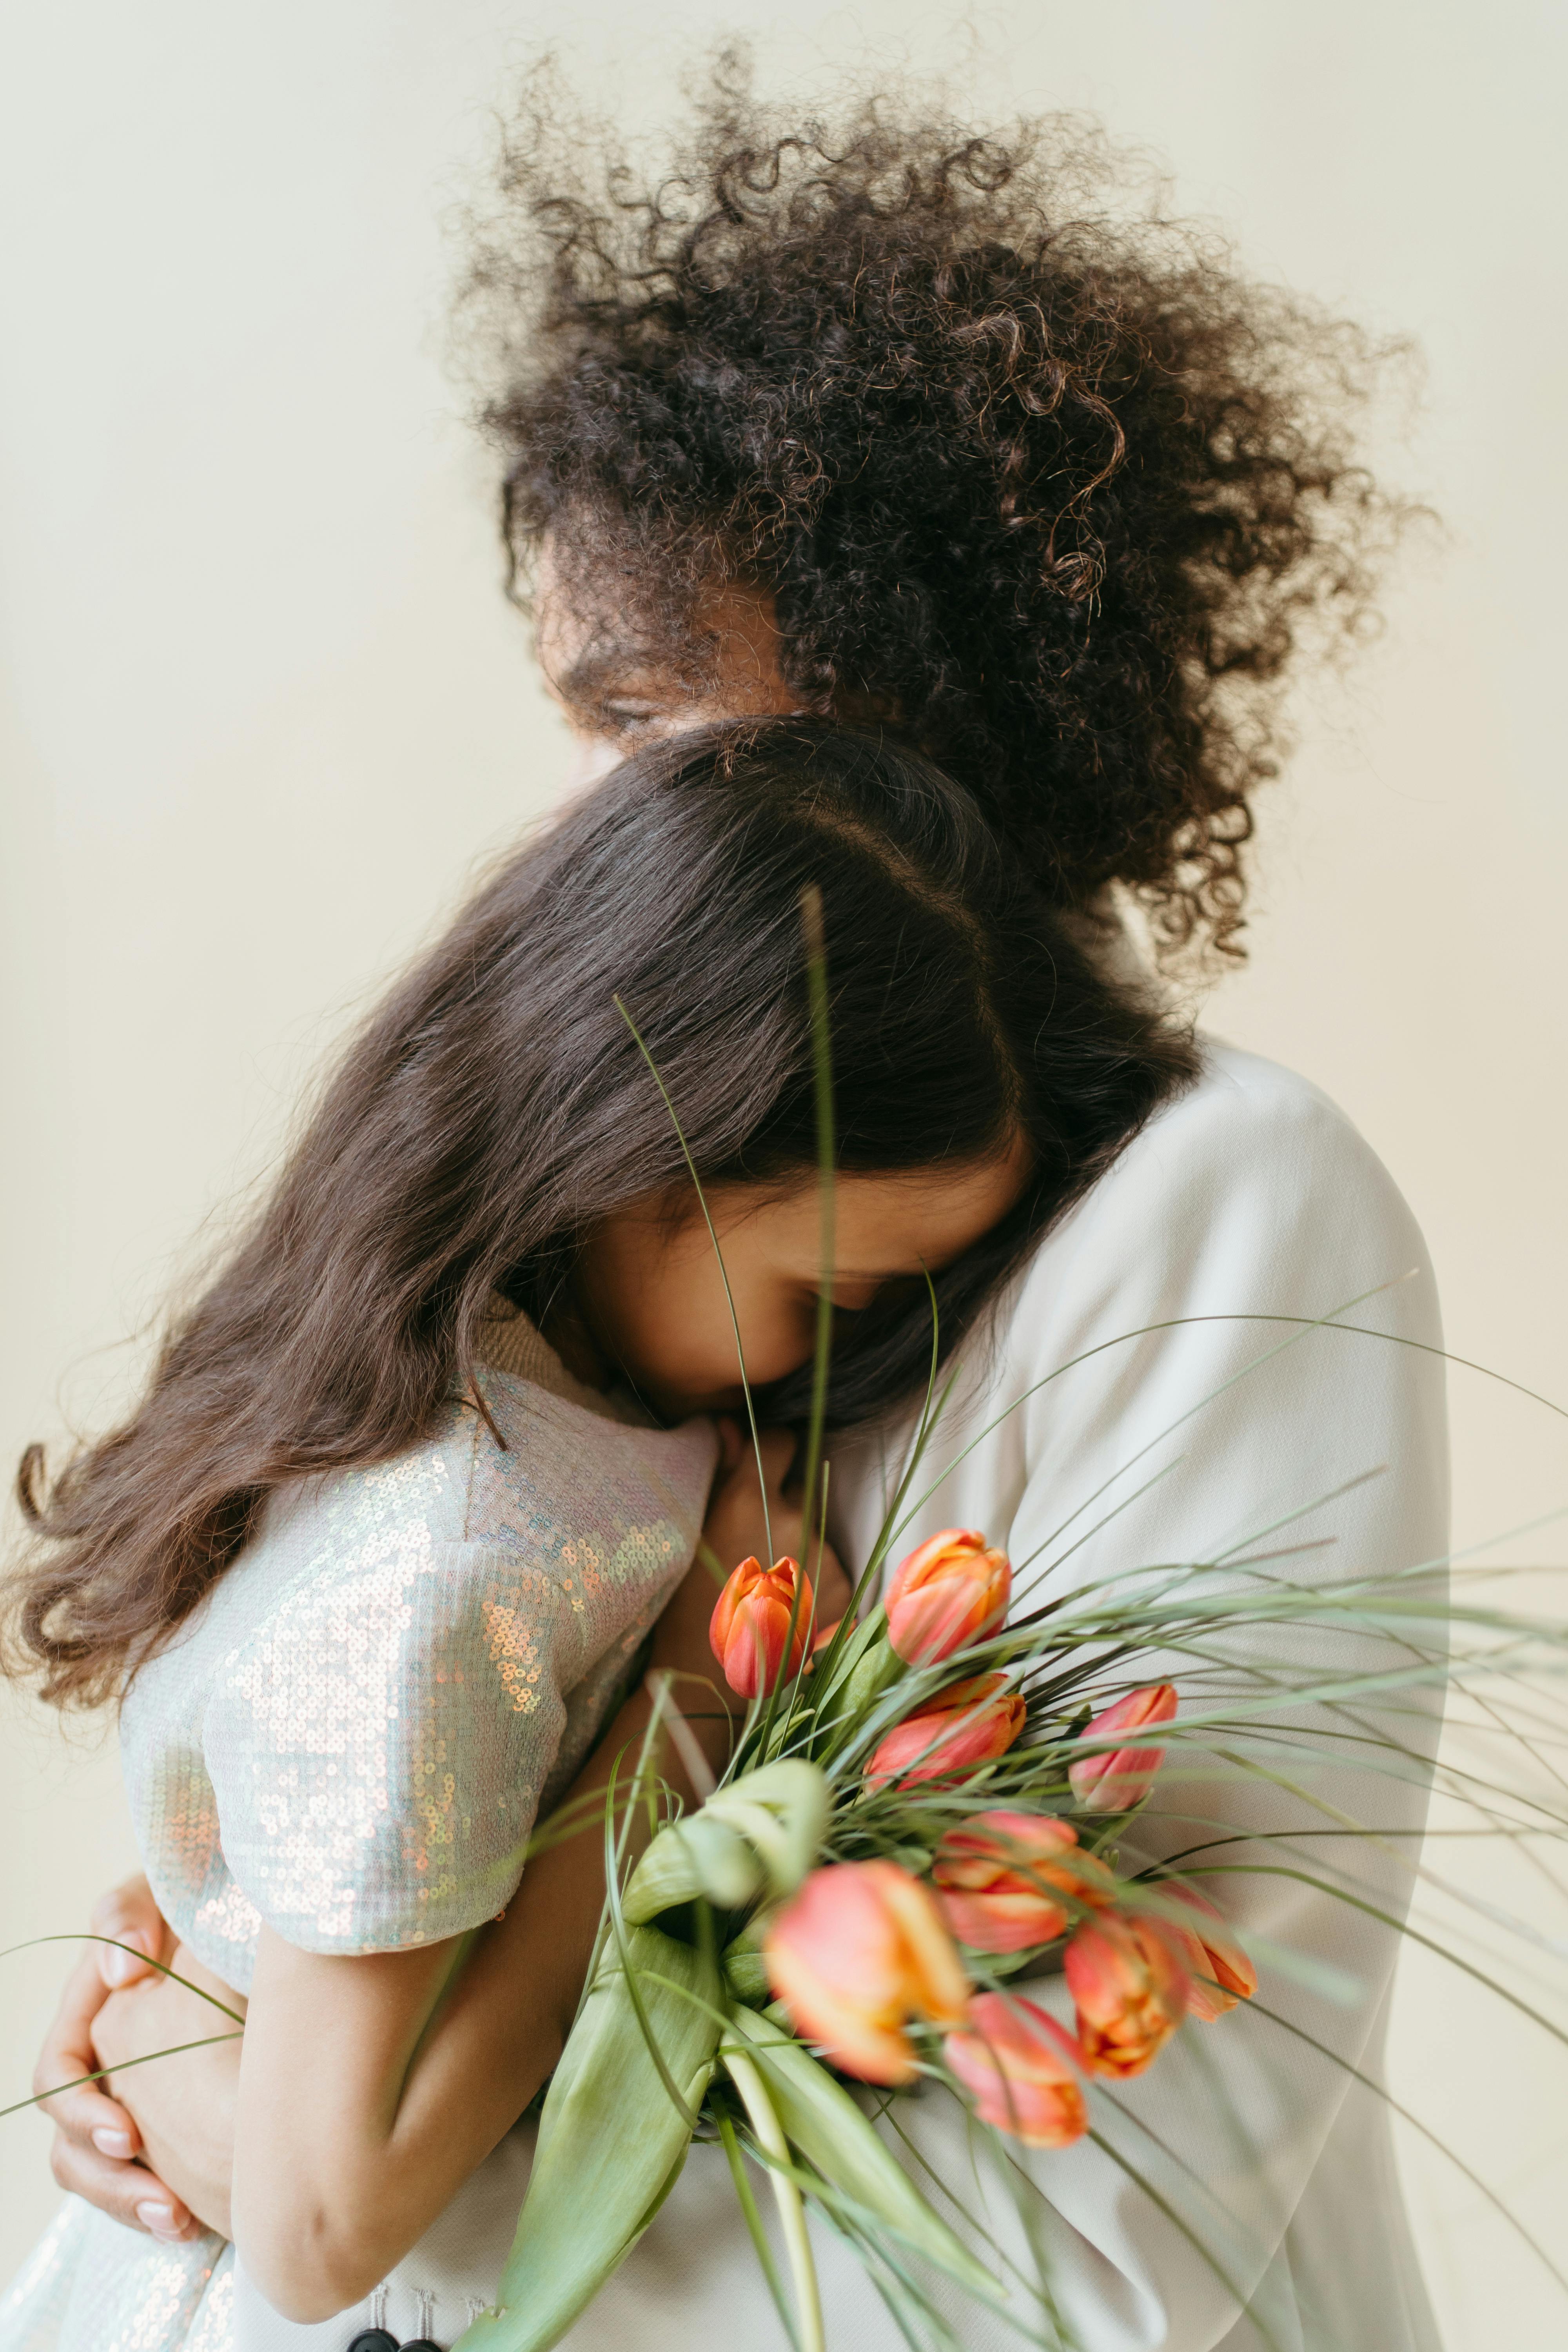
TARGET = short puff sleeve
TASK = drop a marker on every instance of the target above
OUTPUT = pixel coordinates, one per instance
(378, 1746)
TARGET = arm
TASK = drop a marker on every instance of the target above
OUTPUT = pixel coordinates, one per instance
(371, 2087)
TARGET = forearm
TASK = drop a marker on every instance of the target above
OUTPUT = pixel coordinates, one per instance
(431, 2057)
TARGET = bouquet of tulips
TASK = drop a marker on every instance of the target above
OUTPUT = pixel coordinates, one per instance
(927, 1804)
(914, 1813)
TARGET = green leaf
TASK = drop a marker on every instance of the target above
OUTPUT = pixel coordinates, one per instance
(611, 2142)
(758, 1835)
(824, 2124)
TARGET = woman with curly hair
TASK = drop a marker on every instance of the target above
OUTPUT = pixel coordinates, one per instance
(883, 422)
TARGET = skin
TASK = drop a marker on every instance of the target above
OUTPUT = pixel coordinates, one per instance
(615, 699)
(366, 2089)
(649, 1299)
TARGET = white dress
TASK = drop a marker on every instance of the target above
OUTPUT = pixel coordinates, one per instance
(1251, 1195)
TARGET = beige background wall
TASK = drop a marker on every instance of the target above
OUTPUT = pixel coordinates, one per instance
(264, 707)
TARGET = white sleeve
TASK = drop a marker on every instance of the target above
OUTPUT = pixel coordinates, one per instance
(1252, 1196)
(378, 1745)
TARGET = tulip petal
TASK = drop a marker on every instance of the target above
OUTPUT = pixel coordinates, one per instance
(951, 1591)
(859, 1951)
(1130, 1988)
(1114, 1780)
(1021, 2070)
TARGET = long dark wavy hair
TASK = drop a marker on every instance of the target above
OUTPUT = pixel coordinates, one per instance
(495, 1107)
(1025, 468)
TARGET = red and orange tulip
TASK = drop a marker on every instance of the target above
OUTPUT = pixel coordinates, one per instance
(965, 1725)
(1114, 1779)
(750, 1630)
(1024, 2074)
(1007, 1880)
(860, 1952)
(1219, 1970)
(1130, 1988)
(951, 1589)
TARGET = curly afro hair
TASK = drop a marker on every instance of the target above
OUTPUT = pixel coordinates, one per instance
(1028, 472)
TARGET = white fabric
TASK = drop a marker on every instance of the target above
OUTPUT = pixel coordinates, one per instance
(352, 1734)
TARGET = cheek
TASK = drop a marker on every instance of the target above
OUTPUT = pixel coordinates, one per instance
(684, 1335)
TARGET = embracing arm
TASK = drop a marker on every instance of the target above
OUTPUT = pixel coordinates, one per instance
(371, 2087)
(367, 2087)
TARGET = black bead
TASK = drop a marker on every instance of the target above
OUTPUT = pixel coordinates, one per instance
(373, 2339)
(418, 2343)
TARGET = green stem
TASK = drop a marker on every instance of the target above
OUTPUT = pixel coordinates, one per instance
(100, 2073)
(792, 2211)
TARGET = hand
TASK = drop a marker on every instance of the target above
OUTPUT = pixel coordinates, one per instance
(98, 2152)
(183, 2101)
(736, 1530)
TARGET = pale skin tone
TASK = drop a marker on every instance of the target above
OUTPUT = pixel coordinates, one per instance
(366, 2089)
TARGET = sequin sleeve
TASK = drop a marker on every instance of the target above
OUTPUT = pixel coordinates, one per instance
(378, 1746)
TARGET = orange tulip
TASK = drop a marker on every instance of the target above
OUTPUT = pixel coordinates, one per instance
(1129, 1989)
(965, 1725)
(859, 1951)
(1220, 1971)
(1009, 1880)
(951, 1591)
(750, 1627)
(1024, 2074)
(1113, 1780)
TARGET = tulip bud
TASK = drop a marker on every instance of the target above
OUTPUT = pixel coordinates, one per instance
(860, 1951)
(1129, 1989)
(749, 1631)
(1113, 1780)
(1008, 1880)
(1022, 2071)
(951, 1591)
(963, 1725)
(1220, 1971)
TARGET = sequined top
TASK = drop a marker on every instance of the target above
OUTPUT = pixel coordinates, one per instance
(353, 1736)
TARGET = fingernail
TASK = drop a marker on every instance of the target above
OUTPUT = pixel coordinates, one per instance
(112, 2143)
(160, 2220)
(114, 1966)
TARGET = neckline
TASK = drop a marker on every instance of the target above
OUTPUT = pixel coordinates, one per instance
(509, 1342)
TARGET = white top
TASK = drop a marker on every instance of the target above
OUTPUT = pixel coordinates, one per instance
(351, 1740)
(354, 1734)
